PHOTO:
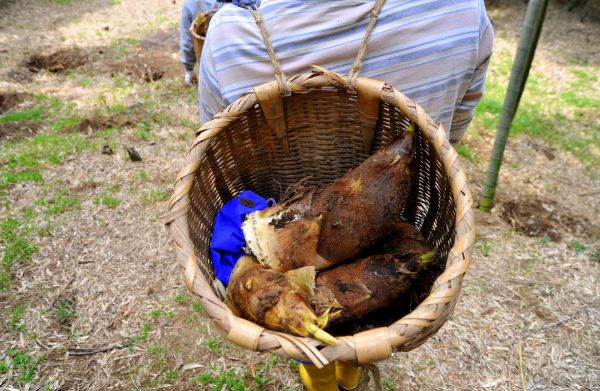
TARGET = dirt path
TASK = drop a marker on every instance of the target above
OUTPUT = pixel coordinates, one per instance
(101, 304)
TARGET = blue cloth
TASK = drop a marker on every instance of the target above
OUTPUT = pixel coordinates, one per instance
(242, 3)
(245, 3)
(227, 242)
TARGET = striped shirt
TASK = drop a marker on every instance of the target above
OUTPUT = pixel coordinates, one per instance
(435, 52)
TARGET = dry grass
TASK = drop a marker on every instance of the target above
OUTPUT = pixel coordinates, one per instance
(529, 312)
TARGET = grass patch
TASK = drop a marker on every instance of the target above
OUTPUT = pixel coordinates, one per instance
(47, 100)
(155, 196)
(16, 320)
(106, 133)
(123, 51)
(65, 311)
(180, 298)
(485, 248)
(11, 178)
(5, 279)
(389, 384)
(574, 99)
(118, 108)
(155, 313)
(143, 134)
(563, 115)
(33, 114)
(578, 247)
(144, 130)
(16, 247)
(466, 152)
(133, 41)
(260, 380)
(142, 176)
(229, 379)
(170, 375)
(25, 158)
(85, 82)
(113, 188)
(66, 123)
(141, 336)
(61, 203)
(25, 365)
(156, 349)
(107, 200)
(264, 368)
(197, 308)
(160, 356)
(293, 365)
(213, 344)
(581, 92)
(584, 78)
(121, 82)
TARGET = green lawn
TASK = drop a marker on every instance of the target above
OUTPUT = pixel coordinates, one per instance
(565, 115)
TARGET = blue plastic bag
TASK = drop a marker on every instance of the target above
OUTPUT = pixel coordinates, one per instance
(227, 242)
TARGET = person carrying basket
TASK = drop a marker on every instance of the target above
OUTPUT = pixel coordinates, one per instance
(435, 52)
(191, 10)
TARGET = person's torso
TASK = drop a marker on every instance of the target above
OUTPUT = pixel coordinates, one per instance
(425, 49)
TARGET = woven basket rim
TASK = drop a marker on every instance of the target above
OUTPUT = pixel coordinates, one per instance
(364, 347)
(197, 20)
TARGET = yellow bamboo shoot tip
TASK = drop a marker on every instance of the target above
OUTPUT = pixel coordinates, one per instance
(322, 335)
(424, 259)
(357, 185)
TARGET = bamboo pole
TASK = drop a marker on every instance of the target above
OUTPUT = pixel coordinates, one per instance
(530, 33)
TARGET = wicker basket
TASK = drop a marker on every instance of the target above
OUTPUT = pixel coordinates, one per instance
(265, 142)
(198, 30)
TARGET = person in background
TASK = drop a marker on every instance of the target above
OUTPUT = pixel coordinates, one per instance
(189, 11)
(435, 52)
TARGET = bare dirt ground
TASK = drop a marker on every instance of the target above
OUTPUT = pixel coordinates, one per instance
(529, 314)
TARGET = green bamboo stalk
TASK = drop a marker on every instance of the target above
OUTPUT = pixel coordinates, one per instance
(530, 33)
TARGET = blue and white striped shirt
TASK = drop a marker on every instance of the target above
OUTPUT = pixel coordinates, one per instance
(435, 52)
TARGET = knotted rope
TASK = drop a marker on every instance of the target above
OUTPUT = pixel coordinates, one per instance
(280, 76)
(363, 47)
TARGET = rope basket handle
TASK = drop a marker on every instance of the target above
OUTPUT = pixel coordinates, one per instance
(363, 47)
(280, 76)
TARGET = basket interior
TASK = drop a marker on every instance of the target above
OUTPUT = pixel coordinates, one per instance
(324, 143)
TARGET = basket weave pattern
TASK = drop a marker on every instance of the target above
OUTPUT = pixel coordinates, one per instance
(198, 30)
(242, 148)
